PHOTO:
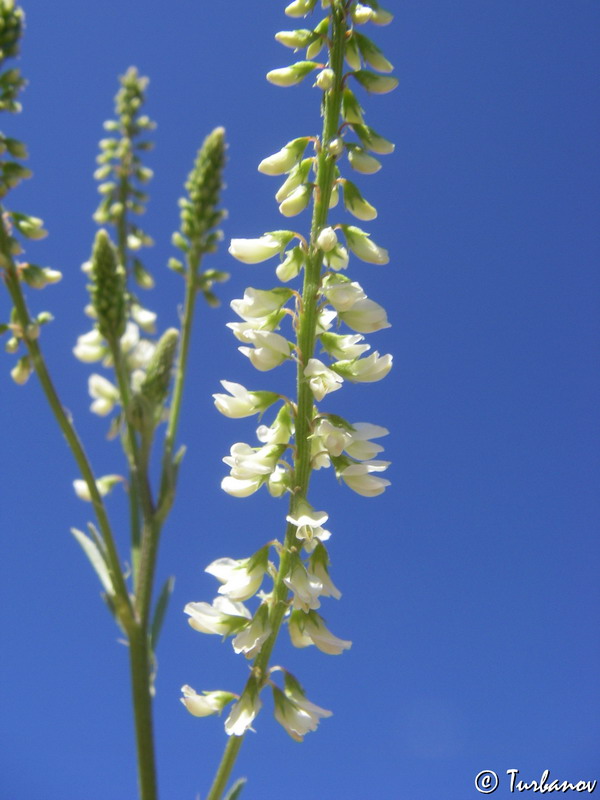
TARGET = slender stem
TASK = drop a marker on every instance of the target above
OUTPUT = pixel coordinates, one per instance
(124, 608)
(306, 347)
(139, 660)
(167, 488)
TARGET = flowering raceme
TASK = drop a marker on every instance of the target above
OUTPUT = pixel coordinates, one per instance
(320, 328)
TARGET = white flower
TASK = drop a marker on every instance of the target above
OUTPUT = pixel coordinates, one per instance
(327, 240)
(318, 568)
(240, 402)
(278, 482)
(90, 347)
(291, 265)
(296, 201)
(342, 294)
(337, 258)
(280, 431)
(309, 628)
(247, 462)
(285, 159)
(365, 370)
(241, 487)
(145, 318)
(242, 714)
(253, 251)
(322, 380)
(104, 485)
(359, 478)
(305, 514)
(300, 8)
(241, 579)
(251, 638)
(362, 162)
(258, 303)
(362, 246)
(332, 438)
(202, 705)
(270, 349)
(290, 76)
(344, 347)
(306, 588)
(325, 79)
(360, 445)
(361, 14)
(365, 316)
(222, 617)
(297, 716)
(105, 394)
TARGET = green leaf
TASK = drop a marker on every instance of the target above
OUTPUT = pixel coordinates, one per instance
(96, 558)
(160, 611)
(236, 789)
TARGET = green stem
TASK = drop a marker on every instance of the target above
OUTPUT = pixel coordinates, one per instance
(306, 347)
(65, 423)
(139, 660)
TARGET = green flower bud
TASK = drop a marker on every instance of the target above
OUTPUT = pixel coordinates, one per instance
(108, 290)
(155, 386)
(377, 84)
(292, 75)
(371, 53)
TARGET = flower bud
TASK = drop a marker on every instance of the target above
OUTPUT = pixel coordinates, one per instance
(321, 379)
(361, 245)
(325, 79)
(356, 203)
(291, 265)
(253, 251)
(337, 258)
(377, 84)
(361, 14)
(361, 161)
(292, 75)
(298, 175)
(285, 159)
(365, 316)
(155, 386)
(202, 705)
(300, 8)
(372, 54)
(327, 240)
(351, 108)
(295, 39)
(296, 202)
(108, 290)
(371, 140)
(21, 372)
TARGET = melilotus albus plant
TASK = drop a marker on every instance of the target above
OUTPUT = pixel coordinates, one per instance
(323, 325)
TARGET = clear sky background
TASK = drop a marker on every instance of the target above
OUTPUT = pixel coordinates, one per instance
(471, 587)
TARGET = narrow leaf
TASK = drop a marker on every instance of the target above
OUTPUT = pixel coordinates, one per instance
(160, 611)
(236, 789)
(96, 559)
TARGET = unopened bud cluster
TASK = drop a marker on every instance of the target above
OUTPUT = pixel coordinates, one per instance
(329, 354)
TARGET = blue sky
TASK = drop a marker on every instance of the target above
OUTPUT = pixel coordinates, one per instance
(470, 588)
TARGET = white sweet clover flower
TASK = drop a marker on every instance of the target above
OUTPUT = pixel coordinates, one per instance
(223, 617)
(337, 258)
(90, 347)
(297, 177)
(304, 587)
(205, 704)
(269, 351)
(361, 446)
(360, 479)
(105, 484)
(365, 370)
(296, 201)
(325, 319)
(250, 467)
(251, 638)
(145, 318)
(318, 569)
(321, 379)
(292, 75)
(365, 316)
(240, 402)
(344, 347)
(297, 718)
(309, 524)
(341, 292)
(362, 246)
(258, 303)
(243, 712)
(362, 161)
(279, 482)
(280, 432)
(241, 579)
(253, 251)
(291, 265)
(285, 159)
(327, 240)
(104, 393)
(308, 628)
